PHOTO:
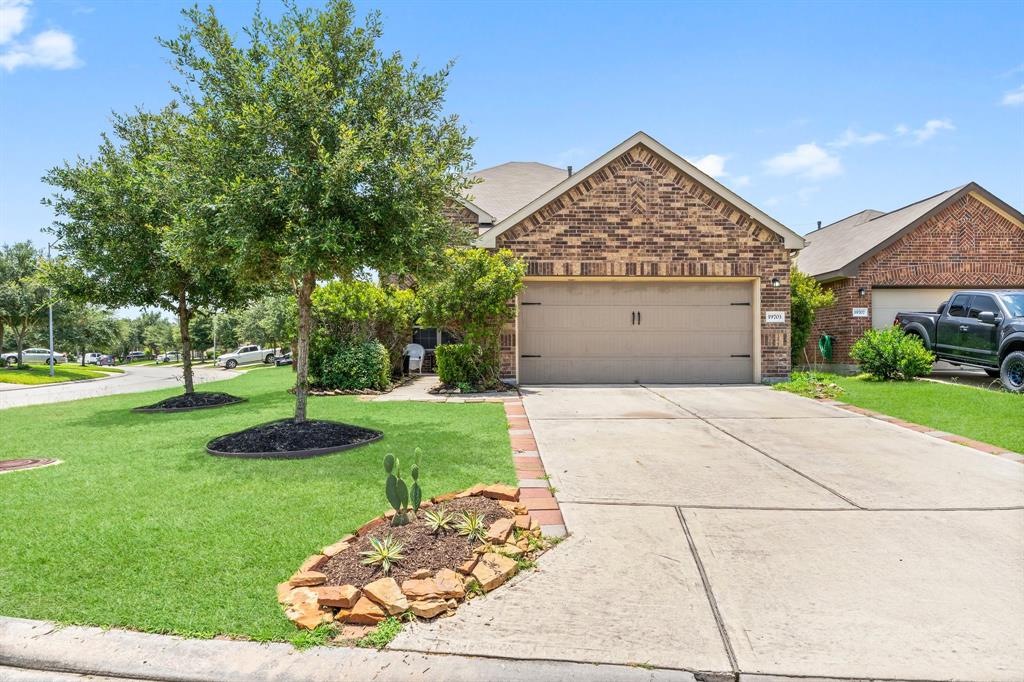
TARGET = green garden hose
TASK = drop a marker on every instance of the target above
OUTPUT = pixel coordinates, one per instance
(825, 346)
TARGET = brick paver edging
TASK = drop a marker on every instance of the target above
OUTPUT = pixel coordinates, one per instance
(929, 431)
(534, 485)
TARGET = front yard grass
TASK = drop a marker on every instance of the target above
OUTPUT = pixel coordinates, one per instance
(989, 416)
(140, 528)
(40, 374)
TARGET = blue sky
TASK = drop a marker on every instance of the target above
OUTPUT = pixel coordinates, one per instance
(811, 111)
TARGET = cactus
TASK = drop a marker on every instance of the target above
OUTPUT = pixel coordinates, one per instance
(417, 492)
(398, 493)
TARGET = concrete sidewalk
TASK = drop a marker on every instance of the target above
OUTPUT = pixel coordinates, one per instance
(754, 534)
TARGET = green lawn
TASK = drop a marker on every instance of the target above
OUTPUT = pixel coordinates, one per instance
(40, 374)
(990, 416)
(140, 528)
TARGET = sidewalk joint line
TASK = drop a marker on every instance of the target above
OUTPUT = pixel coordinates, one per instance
(757, 449)
(708, 593)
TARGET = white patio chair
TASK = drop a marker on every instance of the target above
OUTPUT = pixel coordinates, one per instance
(415, 352)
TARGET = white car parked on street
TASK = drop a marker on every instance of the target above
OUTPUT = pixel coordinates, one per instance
(93, 358)
(246, 355)
(35, 355)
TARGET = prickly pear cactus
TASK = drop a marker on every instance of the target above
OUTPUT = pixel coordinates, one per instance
(417, 492)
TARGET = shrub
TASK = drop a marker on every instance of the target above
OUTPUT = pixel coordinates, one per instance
(806, 297)
(474, 299)
(891, 353)
(335, 364)
(356, 311)
(463, 365)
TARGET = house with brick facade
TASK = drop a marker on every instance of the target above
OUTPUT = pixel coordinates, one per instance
(640, 268)
(910, 259)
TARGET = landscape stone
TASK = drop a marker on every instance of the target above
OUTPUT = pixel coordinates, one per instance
(421, 574)
(466, 567)
(499, 491)
(339, 546)
(365, 612)
(470, 492)
(312, 563)
(343, 596)
(421, 588)
(307, 578)
(499, 531)
(428, 608)
(284, 592)
(493, 569)
(304, 611)
(521, 520)
(510, 550)
(388, 594)
(450, 583)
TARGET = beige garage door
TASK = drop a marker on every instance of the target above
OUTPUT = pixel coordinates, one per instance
(885, 303)
(626, 332)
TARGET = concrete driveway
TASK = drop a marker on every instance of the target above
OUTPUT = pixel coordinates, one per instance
(135, 379)
(756, 534)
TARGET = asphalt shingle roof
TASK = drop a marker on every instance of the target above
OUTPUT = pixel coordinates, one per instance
(835, 246)
(510, 186)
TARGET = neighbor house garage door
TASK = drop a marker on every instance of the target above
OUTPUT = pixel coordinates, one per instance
(626, 332)
(885, 303)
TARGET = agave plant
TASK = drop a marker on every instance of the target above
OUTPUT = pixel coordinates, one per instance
(385, 551)
(438, 520)
(471, 524)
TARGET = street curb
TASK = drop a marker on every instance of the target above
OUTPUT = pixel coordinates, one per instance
(42, 646)
(111, 375)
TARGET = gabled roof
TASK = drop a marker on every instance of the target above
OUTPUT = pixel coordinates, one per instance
(504, 188)
(837, 250)
(488, 238)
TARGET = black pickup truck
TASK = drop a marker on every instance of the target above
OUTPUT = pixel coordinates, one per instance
(976, 328)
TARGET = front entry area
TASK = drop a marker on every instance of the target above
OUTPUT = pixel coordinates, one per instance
(595, 332)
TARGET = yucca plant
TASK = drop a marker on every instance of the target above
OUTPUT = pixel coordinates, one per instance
(385, 551)
(471, 524)
(438, 520)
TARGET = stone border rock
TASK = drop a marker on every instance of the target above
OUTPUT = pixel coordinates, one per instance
(309, 603)
(294, 454)
(174, 410)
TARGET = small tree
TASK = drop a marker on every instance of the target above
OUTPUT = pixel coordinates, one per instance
(475, 299)
(132, 225)
(806, 298)
(23, 294)
(336, 158)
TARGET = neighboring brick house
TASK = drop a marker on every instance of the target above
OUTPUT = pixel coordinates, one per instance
(641, 268)
(910, 259)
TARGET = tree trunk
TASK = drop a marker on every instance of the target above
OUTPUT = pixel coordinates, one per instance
(186, 343)
(305, 300)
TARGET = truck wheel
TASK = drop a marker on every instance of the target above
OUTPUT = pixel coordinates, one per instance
(994, 373)
(231, 364)
(269, 360)
(1012, 372)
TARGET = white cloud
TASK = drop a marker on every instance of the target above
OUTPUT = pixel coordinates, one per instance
(850, 137)
(712, 164)
(929, 130)
(50, 49)
(1014, 98)
(901, 130)
(741, 180)
(807, 160)
(12, 18)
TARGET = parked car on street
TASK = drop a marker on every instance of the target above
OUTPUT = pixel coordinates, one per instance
(285, 359)
(35, 355)
(246, 355)
(978, 329)
(106, 361)
(169, 356)
(93, 358)
(135, 356)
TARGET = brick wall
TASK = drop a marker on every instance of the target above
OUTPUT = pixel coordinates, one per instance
(967, 245)
(642, 216)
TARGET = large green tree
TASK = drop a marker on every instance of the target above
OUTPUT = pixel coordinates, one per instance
(338, 157)
(23, 294)
(133, 223)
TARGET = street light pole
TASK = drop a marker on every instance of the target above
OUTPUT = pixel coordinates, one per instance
(49, 296)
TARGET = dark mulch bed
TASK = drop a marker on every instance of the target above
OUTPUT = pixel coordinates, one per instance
(500, 387)
(286, 439)
(422, 548)
(193, 401)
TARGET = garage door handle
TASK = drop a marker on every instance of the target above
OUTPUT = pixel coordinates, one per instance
(633, 318)
(529, 356)
(638, 317)
(741, 355)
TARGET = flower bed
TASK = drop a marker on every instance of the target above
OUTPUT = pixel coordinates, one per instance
(437, 569)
